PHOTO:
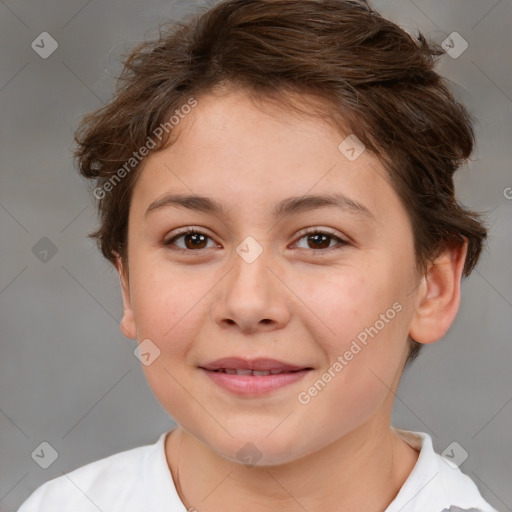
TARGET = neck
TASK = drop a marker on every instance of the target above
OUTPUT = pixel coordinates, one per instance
(363, 470)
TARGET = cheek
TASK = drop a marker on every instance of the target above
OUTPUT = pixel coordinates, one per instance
(170, 305)
(347, 301)
(351, 388)
(169, 309)
(362, 334)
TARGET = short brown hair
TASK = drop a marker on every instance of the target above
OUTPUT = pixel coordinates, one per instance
(373, 78)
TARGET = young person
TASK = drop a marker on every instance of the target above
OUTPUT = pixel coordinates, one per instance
(275, 186)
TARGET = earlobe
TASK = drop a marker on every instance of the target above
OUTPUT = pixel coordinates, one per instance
(127, 325)
(439, 296)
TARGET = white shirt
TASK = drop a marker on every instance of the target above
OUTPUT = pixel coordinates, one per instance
(139, 480)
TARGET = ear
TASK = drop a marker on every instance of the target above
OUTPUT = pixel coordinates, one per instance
(128, 327)
(439, 295)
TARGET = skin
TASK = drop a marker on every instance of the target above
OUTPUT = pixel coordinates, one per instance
(297, 302)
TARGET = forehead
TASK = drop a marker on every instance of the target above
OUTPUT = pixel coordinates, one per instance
(242, 153)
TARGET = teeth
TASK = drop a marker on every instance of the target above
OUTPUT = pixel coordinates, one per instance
(243, 372)
(257, 373)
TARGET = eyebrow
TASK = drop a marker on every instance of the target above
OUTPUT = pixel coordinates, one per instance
(288, 206)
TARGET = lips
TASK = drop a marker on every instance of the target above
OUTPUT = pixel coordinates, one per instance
(254, 367)
(254, 373)
(253, 378)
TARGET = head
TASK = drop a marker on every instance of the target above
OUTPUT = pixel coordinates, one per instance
(249, 104)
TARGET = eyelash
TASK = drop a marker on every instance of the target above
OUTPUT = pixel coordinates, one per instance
(168, 243)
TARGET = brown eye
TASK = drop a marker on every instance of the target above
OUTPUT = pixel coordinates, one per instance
(321, 240)
(192, 240)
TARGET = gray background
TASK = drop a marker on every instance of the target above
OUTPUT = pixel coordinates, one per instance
(70, 378)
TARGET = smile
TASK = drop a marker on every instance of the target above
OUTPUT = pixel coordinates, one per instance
(253, 383)
(254, 373)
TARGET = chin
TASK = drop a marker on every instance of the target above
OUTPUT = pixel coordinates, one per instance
(257, 449)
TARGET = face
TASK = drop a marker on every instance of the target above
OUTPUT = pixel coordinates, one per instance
(322, 287)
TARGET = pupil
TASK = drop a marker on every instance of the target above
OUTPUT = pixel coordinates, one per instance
(320, 238)
(195, 237)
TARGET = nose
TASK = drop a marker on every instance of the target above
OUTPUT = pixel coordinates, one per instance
(252, 297)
